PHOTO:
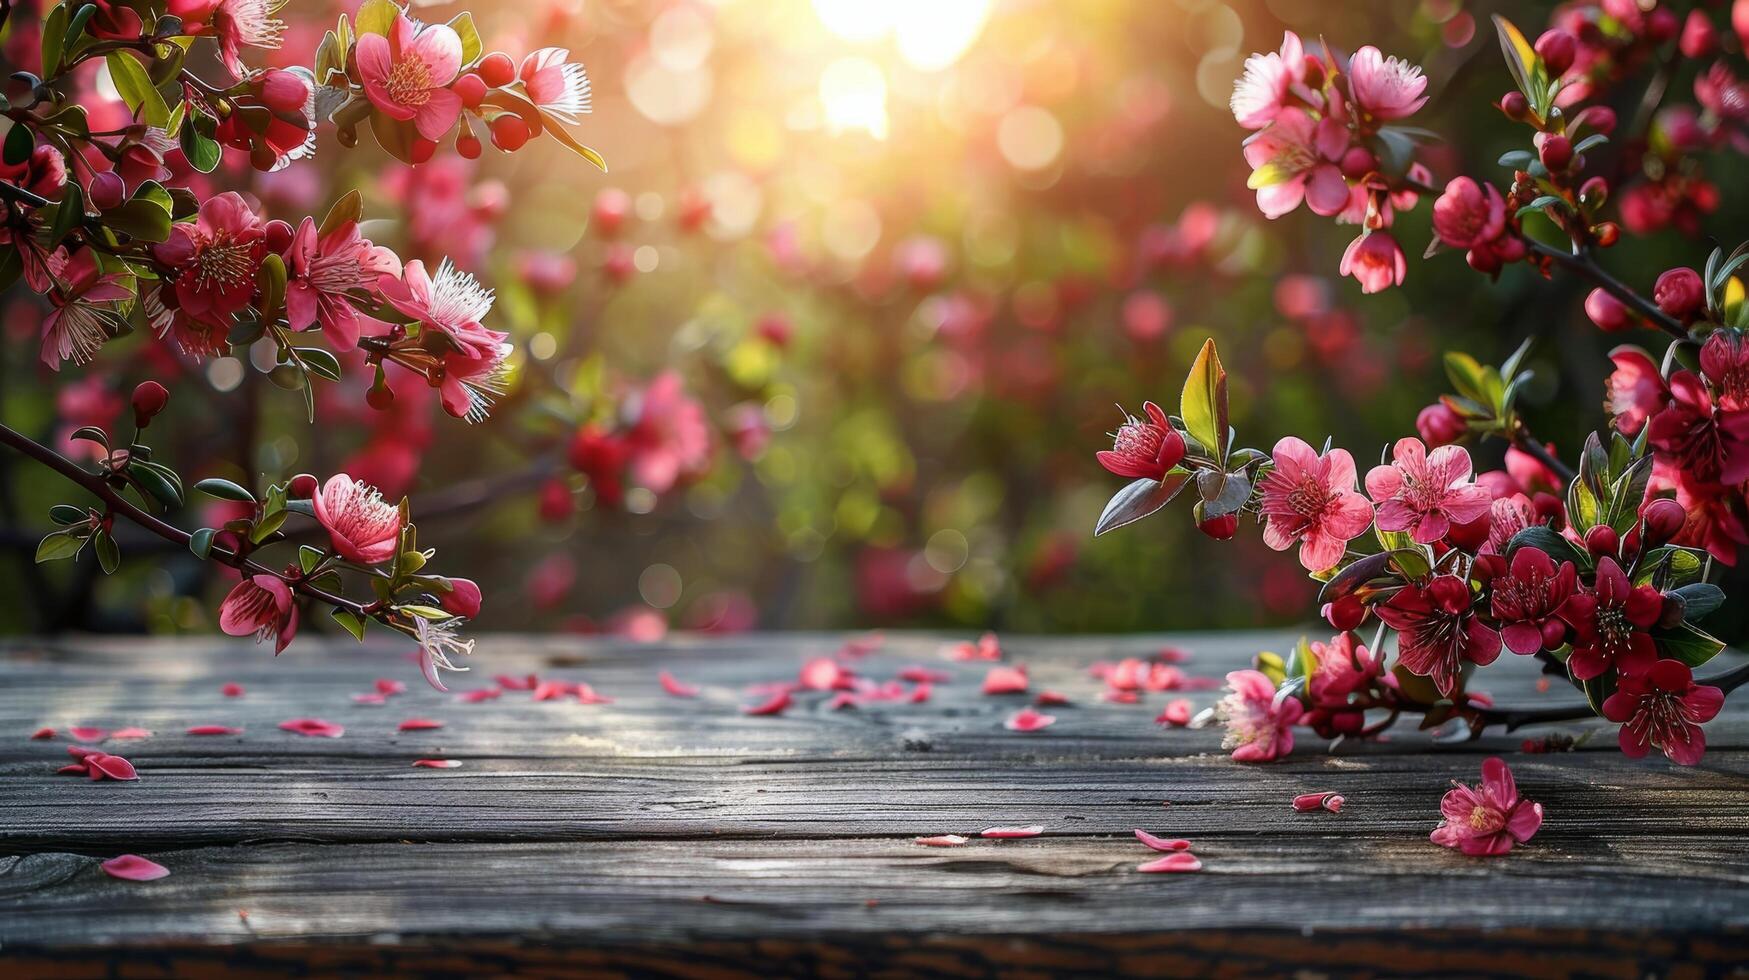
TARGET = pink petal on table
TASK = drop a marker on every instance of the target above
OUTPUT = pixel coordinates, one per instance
(438, 763)
(509, 683)
(81, 751)
(214, 730)
(1047, 699)
(841, 700)
(862, 646)
(130, 733)
(1117, 696)
(824, 674)
(922, 692)
(918, 674)
(232, 690)
(675, 687)
(551, 690)
(41, 734)
(313, 727)
(419, 724)
(1172, 655)
(370, 697)
(73, 770)
(941, 840)
(776, 705)
(1162, 843)
(1201, 684)
(1008, 833)
(132, 867)
(111, 766)
(86, 734)
(1182, 861)
(587, 695)
(1333, 803)
(1005, 680)
(1306, 802)
(1176, 713)
(388, 686)
(480, 694)
(1028, 720)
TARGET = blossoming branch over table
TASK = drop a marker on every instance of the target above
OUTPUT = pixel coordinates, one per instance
(659, 830)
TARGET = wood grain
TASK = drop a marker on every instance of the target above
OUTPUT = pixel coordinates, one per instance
(658, 835)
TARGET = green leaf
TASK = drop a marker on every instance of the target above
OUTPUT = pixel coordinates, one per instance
(1203, 406)
(1521, 59)
(198, 145)
(1598, 689)
(394, 136)
(351, 621)
(136, 88)
(152, 481)
(270, 280)
(1689, 644)
(1517, 159)
(67, 514)
(224, 489)
(308, 557)
(54, 40)
(1699, 599)
(201, 542)
(69, 214)
(557, 130)
(140, 219)
(376, 17)
(1546, 540)
(58, 545)
(19, 142)
(1140, 499)
(320, 362)
(472, 46)
(268, 524)
(348, 210)
(1222, 493)
(108, 552)
(91, 433)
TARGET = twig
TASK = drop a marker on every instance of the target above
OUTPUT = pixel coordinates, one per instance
(1586, 268)
(1527, 443)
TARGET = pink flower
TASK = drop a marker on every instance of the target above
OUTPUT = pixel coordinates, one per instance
(1375, 260)
(216, 256)
(453, 304)
(1609, 624)
(1724, 359)
(470, 384)
(363, 526)
(1635, 390)
(1425, 494)
(1469, 214)
(1438, 631)
(1295, 159)
(1713, 521)
(553, 84)
(1664, 707)
(262, 606)
(1487, 819)
(1257, 728)
(1386, 88)
(74, 328)
(1270, 81)
(405, 74)
(1507, 516)
(670, 441)
(1526, 600)
(1311, 499)
(1345, 668)
(1144, 449)
(1704, 440)
(234, 23)
(329, 276)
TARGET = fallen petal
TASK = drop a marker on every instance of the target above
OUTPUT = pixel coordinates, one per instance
(483, 694)
(81, 751)
(438, 763)
(85, 734)
(774, 706)
(1306, 802)
(1047, 699)
(1005, 680)
(232, 690)
(387, 686)
(1119, 696)
(41, 734)
(551, 690)
(675, 687)
(1333, 803)
(1028, 720)
(921, 692)
(214, 730)
(111, 766)
(586, 695)
(370, 697)
(1182, 861)
(1168, 845)
(510, 683)
(313, 727)
(132, 867)
(130, 733)
(73, 770)
(1005, 833)
(420, 724)
(941, 840)
(1176, 713)
(918, 674)
(841, 700)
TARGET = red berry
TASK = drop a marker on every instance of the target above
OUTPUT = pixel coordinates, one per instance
(467, 146)
(471, 88)
(509, 133)
(497, 70)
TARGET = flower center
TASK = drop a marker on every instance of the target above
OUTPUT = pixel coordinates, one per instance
(1613, 630)
(409, 83)
(1422, 495)
(223, 263)
(1138, 441)
(1485, 820)
(1310, 498)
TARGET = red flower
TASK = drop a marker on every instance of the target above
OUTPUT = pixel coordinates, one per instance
(1345, 668)
(1610, 621)
(216, 257)
(1144, 449)
(1527, 598)
(1468, 214)
(1635, 390)
(1664, 707)
(1703, 439)
(1311, 499)
(1490, 818)
(670, 441)
(1724, 359)
(1437, 630)
(1426, 493)
(262, 606)
(330, 275)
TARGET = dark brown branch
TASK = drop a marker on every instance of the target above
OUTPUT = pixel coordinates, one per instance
(1586, 268)
(1527, 443)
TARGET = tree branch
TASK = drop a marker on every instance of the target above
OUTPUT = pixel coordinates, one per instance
(1524, 442)
(1587, 268)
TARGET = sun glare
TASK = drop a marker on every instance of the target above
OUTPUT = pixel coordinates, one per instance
(853, 92)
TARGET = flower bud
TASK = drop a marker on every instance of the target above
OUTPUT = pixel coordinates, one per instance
(423, 150)
(509, 133)
(301, 487)
(1557, 48)
(380, 396)
(1602, 540)
(1556, 152)
(107, 190)
(1698, 37)
(1220, 528)
(556, 502)
(1440, 425)
(1594, 192)
(608, 215)
(283, 91)
(1607, 233)
(1597, 118)
(150, 397)
(463, 598)
(279, 235)
(1607, 312)
(1346, 613)
(1515, 106)
(1664, 519)
(472, 90)
(497, 70)
(1662, 25)
(467, 146)
(1679, 293)
(1508, 248)
(1358, 162)
(1554, 633)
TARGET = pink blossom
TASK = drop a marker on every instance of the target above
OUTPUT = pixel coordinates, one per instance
(1295, 159)
(670, 440)
(216, 257)
(1469, 214)
(1375, 260)
(1490, 818)
(1664, 707)
(262, 606)
(1345, 668)
(1724, 359)
(1702, 438)
(1271, 80)
(1311, 499)
(554, 84)
(132, 867)
(1526, 599)
(329, 276)
(1385, 88)
(363, 526)
(470, 383)
(453, 304)
(1438, 631)
(1423, 493)
(1144, 448)
(405, 74)
(1635, 390)
(235, 23)
(1258, 729)
(75, 326)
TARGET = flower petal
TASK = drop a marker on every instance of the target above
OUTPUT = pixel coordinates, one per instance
(132, 867)
(941, 840)
(419, 724)
(1006, 833)
(1183, 861)
(437, 763)
(1169, 845)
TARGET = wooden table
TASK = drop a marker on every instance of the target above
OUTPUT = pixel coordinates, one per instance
(659, 834)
